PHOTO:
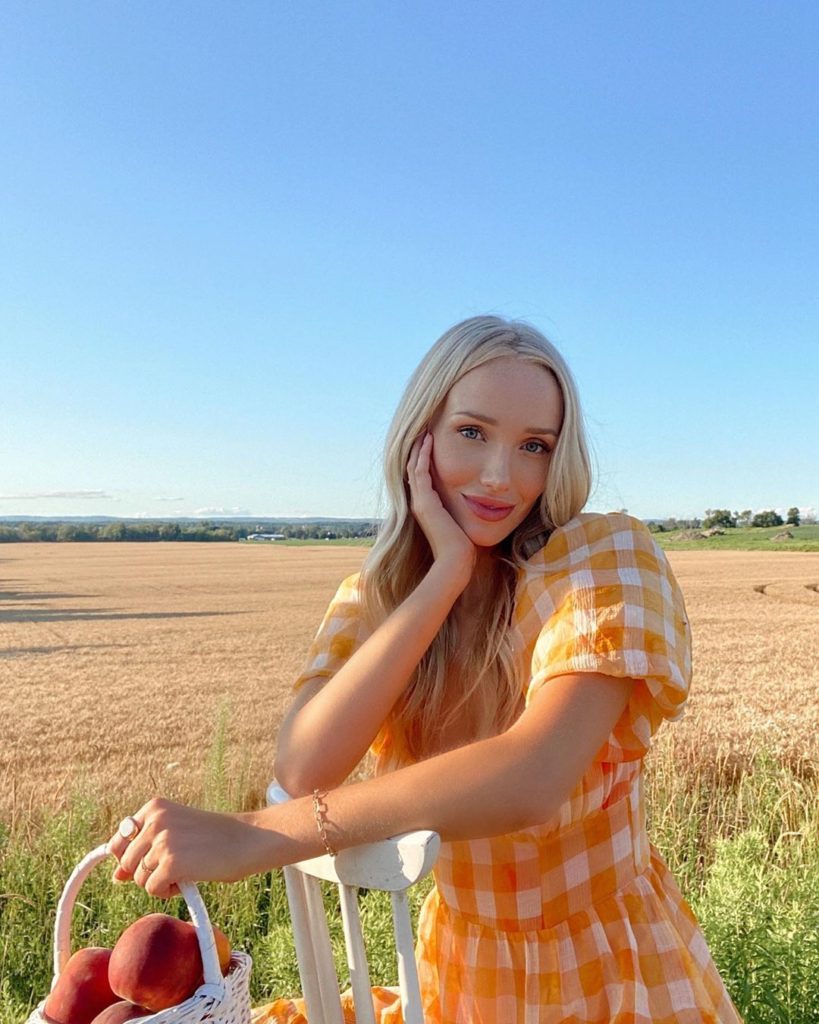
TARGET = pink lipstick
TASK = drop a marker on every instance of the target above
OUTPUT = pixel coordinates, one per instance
(485, 508)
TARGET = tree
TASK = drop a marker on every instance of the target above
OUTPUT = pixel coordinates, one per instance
(793, 517)
(767, 518)
(744, 518)
(718, 517)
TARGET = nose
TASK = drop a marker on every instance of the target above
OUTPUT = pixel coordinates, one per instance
(495, 471)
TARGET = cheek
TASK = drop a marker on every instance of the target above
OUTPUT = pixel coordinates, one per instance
(449, 464)
(533, 482)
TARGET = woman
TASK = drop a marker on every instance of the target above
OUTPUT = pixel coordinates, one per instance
(508, 659)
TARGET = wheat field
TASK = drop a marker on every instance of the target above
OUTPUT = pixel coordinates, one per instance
(118, 661)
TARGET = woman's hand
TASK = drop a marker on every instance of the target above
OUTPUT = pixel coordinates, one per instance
(446, 538)
(176, 843)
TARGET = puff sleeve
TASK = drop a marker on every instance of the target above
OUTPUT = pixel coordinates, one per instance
(341, 633)
(602, 598)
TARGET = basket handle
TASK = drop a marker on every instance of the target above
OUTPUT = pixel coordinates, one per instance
(214, 983)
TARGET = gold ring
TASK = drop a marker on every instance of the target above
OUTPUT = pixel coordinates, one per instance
(128, 828)
(145, 867)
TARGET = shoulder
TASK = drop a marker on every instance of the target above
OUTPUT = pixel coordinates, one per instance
(590, 535)
(350, 588)
(596, 559)
(346, 601)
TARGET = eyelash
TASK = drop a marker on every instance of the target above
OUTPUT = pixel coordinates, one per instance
(544, 448)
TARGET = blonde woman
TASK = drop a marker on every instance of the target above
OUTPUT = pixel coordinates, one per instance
(508, 659)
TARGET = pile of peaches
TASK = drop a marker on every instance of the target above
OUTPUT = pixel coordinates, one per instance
(155, 964)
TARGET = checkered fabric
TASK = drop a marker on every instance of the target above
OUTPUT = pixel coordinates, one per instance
(341, 632)
(584, 924)
(601, 597)
(577, 919)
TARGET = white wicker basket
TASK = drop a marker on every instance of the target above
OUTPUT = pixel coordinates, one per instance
(219, 1000)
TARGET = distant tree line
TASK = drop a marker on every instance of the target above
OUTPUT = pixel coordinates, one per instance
(670, 524)
(729, 520)
(723, 518)
(207, 530)
(55, 531)
(326, 531)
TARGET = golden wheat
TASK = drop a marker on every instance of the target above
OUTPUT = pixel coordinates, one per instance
(116, 660)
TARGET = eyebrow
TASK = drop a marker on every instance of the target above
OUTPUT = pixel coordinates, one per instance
(493, 422)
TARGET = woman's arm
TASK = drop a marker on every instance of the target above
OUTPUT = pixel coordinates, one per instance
(331, 725)
(511, 781)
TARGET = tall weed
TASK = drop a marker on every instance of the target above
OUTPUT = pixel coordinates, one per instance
(743, 843)
(742, 840)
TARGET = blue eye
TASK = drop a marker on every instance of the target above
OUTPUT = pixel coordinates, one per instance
(470, 433)
(537, 448)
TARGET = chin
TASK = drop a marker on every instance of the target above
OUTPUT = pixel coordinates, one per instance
(489, 537)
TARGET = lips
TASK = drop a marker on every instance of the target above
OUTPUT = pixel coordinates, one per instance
(488, 510)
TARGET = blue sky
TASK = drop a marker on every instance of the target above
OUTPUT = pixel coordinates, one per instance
(230, 230)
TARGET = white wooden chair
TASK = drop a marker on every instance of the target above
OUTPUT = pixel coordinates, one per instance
(392, 866)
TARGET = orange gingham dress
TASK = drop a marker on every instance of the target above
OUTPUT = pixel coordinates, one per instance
(577, 919)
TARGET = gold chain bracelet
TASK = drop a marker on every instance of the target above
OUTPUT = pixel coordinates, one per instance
(320, 814)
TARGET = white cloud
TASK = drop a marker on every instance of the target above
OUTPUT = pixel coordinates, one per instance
(159, 498)
(220, 511)
(38, 495)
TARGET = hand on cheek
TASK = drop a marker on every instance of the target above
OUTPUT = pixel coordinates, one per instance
(446, 538)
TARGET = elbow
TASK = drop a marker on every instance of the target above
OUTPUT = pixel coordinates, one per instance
(521, 815)
(299, 777)
(291, 768)
(293, 778)
(526, 806)
(535, 811)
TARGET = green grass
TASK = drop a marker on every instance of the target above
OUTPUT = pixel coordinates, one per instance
(34, 864)
(742, 842)
(805, 538)
(298, 542)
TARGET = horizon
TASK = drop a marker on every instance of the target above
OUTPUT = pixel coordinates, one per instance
(782, 510)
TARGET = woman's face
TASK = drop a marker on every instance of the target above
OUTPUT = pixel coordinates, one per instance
(492, 442)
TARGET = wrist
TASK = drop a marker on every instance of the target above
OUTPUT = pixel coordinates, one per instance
(451, 575)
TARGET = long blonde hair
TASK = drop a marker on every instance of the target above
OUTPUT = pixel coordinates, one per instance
(488, 675)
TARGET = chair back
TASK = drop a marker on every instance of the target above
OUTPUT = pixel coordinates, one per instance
(392, 865)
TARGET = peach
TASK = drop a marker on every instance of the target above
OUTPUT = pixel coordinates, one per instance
(119, 1013)
(82, 989)
(223, 949)
(156, 962)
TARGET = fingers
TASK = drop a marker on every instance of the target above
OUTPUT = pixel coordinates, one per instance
(141, 857)
(156, 881)
(125, 834)
(412, 461)
(419, 463)
(425, 453)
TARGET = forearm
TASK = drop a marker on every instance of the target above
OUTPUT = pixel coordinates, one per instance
(474, 791)
(324, 737)
(494, 786)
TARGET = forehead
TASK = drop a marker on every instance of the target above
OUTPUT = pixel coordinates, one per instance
(509, 387)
